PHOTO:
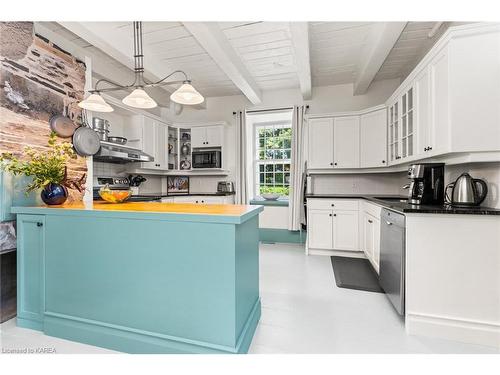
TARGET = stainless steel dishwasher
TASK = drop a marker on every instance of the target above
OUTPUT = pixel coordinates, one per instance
(392, 258)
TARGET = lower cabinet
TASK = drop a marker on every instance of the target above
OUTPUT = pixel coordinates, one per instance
(201, 199)
(344, 225)
(332, 225)
(30, 274)
(371, 233)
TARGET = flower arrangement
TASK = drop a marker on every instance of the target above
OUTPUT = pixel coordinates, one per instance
(46, 167)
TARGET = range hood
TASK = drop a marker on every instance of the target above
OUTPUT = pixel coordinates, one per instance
(118, 154)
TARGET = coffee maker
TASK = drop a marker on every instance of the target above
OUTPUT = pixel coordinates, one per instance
(427, 183)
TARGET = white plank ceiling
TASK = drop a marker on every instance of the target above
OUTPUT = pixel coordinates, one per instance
(266, 51)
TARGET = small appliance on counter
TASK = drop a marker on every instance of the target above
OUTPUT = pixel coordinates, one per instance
(465, 192)
(135, 182)
(225, 187)
(427, 184)
(207, 158)
(120, 183)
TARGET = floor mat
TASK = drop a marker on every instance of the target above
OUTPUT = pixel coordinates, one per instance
(355, 273)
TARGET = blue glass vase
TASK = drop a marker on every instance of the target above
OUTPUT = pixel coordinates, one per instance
(54, 194)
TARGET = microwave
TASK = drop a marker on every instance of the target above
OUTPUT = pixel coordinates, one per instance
(206, 158)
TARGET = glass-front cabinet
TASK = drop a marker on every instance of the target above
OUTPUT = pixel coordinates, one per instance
(401, 127)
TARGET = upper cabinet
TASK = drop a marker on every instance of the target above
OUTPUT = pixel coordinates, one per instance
(207, 136)
(449, 103)
(401, 135)
(320, 145)
(333, 142)
(346, 142)
(373, 140)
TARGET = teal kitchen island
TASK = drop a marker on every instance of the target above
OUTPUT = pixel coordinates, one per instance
(141, 277)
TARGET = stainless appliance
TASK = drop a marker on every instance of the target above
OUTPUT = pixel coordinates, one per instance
(101, 127)
(225, 187)
(392, 258)
(120, 183)
(206, 158)
(427, 183)
(119, 154)
(465, 192)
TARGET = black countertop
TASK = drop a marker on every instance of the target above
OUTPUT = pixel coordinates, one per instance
(394, 204)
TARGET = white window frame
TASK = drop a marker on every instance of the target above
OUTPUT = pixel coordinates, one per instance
(255, 159)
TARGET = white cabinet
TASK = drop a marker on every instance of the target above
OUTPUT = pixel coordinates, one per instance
(333, 142)
(319, 229)
(401, 132)
(345, 230)
(371, 233)
(373, 139)
(422, 111)
(207, 136)
(332, 224)
(150, 136)
(320, 143)
(204, 199)
(346, 142)
(438, 133)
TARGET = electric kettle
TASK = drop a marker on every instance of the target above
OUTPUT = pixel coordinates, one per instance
(465, 192)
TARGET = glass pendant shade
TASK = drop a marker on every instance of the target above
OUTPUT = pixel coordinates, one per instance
(139, 99)
(187, 94)
(95, 103)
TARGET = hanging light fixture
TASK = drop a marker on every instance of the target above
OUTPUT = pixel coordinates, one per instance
(138, 98)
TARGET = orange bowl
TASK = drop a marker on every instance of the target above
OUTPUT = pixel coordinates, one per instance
(115, 196)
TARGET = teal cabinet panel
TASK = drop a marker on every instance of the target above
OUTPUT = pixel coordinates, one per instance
(30, 269)
(247, 280)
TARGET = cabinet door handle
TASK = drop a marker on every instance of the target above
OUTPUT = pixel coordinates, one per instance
(383, 161)
(370, 221)
(334, 214)
(333, 205)
(388, 222)
(334, 163)
(331, 163)
(39, 224)
(429, 148)
(330, 215)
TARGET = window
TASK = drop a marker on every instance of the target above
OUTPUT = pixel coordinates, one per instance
(273, 143)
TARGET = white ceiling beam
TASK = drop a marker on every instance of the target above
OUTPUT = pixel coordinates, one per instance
(300, 43)
(213, 40)
(384, 36)
(120, 47)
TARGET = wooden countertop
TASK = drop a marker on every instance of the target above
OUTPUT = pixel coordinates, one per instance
(173, 211)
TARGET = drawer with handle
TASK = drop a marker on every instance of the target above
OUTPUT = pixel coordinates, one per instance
(332, 204)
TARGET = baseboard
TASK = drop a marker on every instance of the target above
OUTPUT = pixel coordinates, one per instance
(337, 253)
(281, 236)
(470, 332)
(136, 341)
(30, 324)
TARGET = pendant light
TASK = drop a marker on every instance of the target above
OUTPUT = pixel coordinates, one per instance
(95, 103)
(187, 94)
(138, 98)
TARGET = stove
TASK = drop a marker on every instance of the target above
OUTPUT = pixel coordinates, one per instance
(120, 183)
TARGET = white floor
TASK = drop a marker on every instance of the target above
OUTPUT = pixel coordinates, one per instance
(302, 312)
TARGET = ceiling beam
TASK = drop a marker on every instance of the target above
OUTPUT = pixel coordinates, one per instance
(118, 45)
(213, 40)
(383, 37)
(300, 42)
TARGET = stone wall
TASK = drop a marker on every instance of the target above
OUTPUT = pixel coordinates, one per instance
(37, 80)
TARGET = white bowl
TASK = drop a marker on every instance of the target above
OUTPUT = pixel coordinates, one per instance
(270, 196)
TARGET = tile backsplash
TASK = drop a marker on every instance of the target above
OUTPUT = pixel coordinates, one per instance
(370, 183)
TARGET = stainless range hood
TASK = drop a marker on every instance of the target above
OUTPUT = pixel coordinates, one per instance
(118, 154)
